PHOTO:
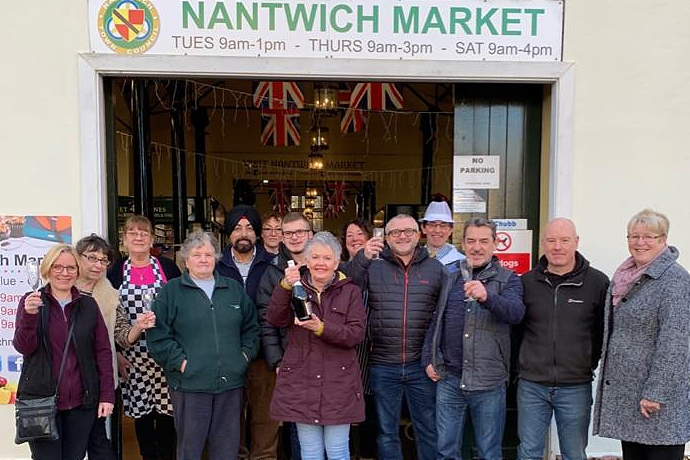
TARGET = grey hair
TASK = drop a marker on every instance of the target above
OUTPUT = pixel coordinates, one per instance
(653, 220)
(402, 217)
(479, 222)
(324, 239)
(196, 239)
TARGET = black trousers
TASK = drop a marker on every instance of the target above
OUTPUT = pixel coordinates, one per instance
(156, 436)
(635, 451)
(74, 427)
(99, 447)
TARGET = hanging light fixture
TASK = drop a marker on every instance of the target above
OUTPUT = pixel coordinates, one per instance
(311, 192)
(319, 136)
(325, 99)
(316, 160)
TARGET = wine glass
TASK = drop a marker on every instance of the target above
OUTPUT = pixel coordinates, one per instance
(147, 297)
(33, 274)
(466, 272)
(379, 232)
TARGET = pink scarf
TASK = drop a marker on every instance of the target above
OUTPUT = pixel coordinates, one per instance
(626, 275)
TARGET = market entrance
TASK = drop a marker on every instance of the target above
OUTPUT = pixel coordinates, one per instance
(183, 151)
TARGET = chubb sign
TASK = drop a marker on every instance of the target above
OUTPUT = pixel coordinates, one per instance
(526, 30)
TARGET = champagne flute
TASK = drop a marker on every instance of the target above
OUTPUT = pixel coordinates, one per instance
(466, 272)
(379, 232)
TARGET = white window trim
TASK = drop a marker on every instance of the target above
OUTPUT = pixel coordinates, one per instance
(93, 67)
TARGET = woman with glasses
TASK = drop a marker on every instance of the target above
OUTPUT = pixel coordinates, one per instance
(643, 395)
(94, 258)
(144, 391)
(353, 236)
(271, 232)
(319, 387)
(85, 390)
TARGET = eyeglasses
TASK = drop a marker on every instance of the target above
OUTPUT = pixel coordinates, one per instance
(277, 231)
(396, 232)
(437, 225)
(645, 238)
(70, 269)
(93, 259)
(299, 233)
(138, 234)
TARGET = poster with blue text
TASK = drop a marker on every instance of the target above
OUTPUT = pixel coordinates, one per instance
(22, 238)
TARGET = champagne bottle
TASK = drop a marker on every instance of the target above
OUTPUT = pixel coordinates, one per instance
(300, 299)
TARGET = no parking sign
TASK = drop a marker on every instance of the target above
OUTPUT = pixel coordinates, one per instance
(514, 250)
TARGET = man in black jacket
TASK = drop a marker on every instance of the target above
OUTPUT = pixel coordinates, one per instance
(245, 262)
(404, 284)
(561, 343)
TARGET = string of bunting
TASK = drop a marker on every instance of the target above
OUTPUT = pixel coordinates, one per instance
(222, 168)
(281, 104)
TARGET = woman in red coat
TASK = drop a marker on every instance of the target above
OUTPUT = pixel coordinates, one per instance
(319, 387)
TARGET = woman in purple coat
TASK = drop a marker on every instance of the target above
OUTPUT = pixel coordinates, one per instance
(319, 387)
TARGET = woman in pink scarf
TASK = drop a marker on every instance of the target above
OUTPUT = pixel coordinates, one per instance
(643, 396)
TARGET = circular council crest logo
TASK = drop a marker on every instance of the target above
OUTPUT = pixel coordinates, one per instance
(128, 26)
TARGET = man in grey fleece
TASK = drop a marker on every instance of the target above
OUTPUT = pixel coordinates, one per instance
(472, 373)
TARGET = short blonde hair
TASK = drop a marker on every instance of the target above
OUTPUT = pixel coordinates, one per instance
(52, 255)
(653, 220)
(138, 222)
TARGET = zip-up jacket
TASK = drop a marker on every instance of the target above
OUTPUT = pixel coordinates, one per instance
(485, 338)
(319, 380)
(87, 378)
(273, 338)
(402, 300)
(227, 267)
(217, 337)
(563, 326)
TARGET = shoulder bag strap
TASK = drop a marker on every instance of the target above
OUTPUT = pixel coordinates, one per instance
(64, 355)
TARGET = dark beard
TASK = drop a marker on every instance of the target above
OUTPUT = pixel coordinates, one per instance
(243, 246)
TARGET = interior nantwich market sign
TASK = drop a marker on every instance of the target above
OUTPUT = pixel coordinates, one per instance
(473, 30)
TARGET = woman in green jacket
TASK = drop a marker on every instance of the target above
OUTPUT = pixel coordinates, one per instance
(205, 336)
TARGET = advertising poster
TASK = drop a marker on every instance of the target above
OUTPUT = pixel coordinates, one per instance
(22, 238)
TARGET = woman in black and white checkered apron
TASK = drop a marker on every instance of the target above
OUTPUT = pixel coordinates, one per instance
(144, 392)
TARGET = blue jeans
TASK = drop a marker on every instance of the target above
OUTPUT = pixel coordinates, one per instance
(313, 439)
(389, 384)
(571, 406)
(487, 408)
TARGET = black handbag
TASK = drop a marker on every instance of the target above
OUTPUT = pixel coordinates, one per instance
(36, 418)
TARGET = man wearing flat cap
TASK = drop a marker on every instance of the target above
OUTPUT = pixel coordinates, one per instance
(437, 225)
(245, 261)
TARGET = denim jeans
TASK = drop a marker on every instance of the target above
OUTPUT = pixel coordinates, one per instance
(571, 405)
(389, 384)
(487, 408)
(313, 439)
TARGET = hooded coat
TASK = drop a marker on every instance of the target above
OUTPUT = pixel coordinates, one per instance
(319, 380)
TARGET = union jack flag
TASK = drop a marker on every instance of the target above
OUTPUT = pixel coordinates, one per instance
(353, 120)
(280, 127)
(278, 95)
(335, 198)
(279, 196)
(375, 96)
